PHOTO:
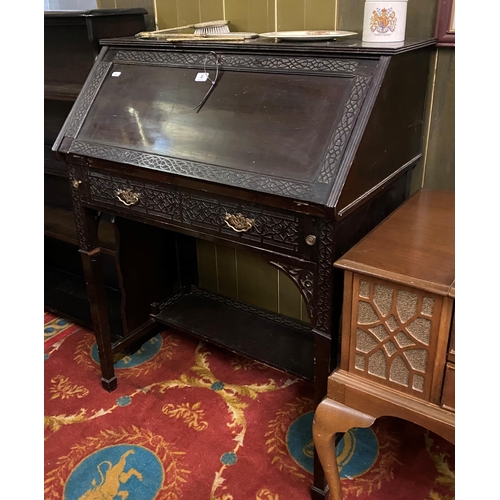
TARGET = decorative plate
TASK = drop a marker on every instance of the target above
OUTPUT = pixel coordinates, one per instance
(307, 35)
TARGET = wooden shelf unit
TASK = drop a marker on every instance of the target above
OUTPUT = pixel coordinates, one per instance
(71, 43)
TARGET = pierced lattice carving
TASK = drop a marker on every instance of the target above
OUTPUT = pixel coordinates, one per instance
(324, 293)
(300, 190)
(193, 169)
(82, 104)
(277, 318)
(172, 204)
(394, 335)
(336, 148)
(75, 178)
(240, 61)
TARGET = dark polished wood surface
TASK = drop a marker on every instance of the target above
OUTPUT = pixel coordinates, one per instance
(288, 118)
(352, 46)
(270, 164)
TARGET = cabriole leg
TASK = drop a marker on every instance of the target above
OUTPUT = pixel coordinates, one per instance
(331, 418)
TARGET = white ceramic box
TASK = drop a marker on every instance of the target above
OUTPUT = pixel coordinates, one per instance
(384, 21)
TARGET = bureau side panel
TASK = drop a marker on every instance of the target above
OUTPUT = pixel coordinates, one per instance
(392, 139)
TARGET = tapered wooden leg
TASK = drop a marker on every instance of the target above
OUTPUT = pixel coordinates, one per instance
(87, 223)
(331, 418)
(98, 307)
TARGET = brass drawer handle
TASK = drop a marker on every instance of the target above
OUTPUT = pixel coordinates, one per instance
(127, 196)
(239, 222)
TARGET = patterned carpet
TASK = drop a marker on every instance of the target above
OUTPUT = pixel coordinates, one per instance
(191, 421)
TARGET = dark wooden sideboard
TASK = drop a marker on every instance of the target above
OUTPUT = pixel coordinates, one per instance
(297, 152)
(398, 328)
(71, 46)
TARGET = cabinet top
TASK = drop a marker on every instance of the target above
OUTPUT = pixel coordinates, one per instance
(51, 14)
(349, 46)
(414, 246)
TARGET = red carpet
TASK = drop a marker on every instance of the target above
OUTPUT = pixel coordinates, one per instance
(55, 329)
(191, 421)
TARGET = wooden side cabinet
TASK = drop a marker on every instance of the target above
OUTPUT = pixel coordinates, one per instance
(398, 328)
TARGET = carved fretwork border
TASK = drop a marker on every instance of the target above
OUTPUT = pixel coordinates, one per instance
(75, 177)
(278, 229)
(194, 169)
(174, 298)
(325, 273)
(85, 99)
(306, 191)
(283, 320)
(241, 61)
(339, 140)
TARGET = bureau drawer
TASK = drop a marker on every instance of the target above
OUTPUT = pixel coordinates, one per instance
(241, 221)
(448, 397)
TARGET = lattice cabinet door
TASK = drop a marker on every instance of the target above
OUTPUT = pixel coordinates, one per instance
(398, 336)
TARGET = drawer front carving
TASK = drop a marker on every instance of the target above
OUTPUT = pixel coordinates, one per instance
(232, 218)
(394, 333)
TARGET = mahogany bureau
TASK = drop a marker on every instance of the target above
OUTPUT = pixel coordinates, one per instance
(398, 346)
(295, 152)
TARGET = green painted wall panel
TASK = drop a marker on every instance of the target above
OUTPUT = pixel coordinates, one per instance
(250, 15)
(257, 281)
(211, 10)
(319, 15)
(106, 4)
(291, 15)
(188, 12)
(350, 15)
(226, 271)
(149, 5)
(440, 164)
(291, 302)
(207, 265)
(166, 13)
(418, 171)
(421, 18)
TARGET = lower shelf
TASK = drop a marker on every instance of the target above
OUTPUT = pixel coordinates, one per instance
(283, 344)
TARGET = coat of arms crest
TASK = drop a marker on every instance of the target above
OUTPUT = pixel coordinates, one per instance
(383, 20)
